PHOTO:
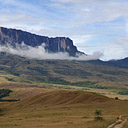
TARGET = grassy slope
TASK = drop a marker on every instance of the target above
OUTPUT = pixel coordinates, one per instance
(61, 109)
(92, 76)
(86, 74)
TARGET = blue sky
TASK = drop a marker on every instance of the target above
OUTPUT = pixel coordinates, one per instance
(94, 25)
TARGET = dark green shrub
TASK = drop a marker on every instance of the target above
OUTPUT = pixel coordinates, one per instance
(125, 92)
(4, 92)
(1, 112)
(116, 98)
(98, 118)
(98, 115)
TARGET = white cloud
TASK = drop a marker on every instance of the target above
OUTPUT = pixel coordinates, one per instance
(114, 52)
(40, 53)
(80, 39)
(116, 49)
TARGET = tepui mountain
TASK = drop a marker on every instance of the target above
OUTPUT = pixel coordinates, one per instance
(52, 45)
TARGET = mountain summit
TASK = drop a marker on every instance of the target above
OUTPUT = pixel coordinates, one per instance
(13, 37)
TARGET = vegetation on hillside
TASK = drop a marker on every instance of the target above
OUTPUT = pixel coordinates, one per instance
(4, 92)
(124, 92)
(92, 74)
(98, 115)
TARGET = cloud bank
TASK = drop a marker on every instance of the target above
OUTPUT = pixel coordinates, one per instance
(41, 54)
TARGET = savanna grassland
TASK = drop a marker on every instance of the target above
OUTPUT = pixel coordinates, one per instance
(61, 94)
(52, 108)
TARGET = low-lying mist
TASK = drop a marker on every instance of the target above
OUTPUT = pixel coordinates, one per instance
(41, 54)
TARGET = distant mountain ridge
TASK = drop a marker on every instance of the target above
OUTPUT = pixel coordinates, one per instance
(52, 45)
(122, 63)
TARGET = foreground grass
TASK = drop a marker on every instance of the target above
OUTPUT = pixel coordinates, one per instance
(52, 117)
(42, 112)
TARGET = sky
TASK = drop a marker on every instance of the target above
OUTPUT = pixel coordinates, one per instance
(93, 25)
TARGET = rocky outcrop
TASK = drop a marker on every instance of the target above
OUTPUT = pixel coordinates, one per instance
(57, 44)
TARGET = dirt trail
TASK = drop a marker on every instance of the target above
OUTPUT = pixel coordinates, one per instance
(117, 124)
(121, 124)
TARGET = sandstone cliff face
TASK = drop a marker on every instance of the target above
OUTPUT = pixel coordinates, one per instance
(57, 44)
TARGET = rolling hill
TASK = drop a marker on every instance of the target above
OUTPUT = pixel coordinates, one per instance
(61, 108)
(64, 97)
